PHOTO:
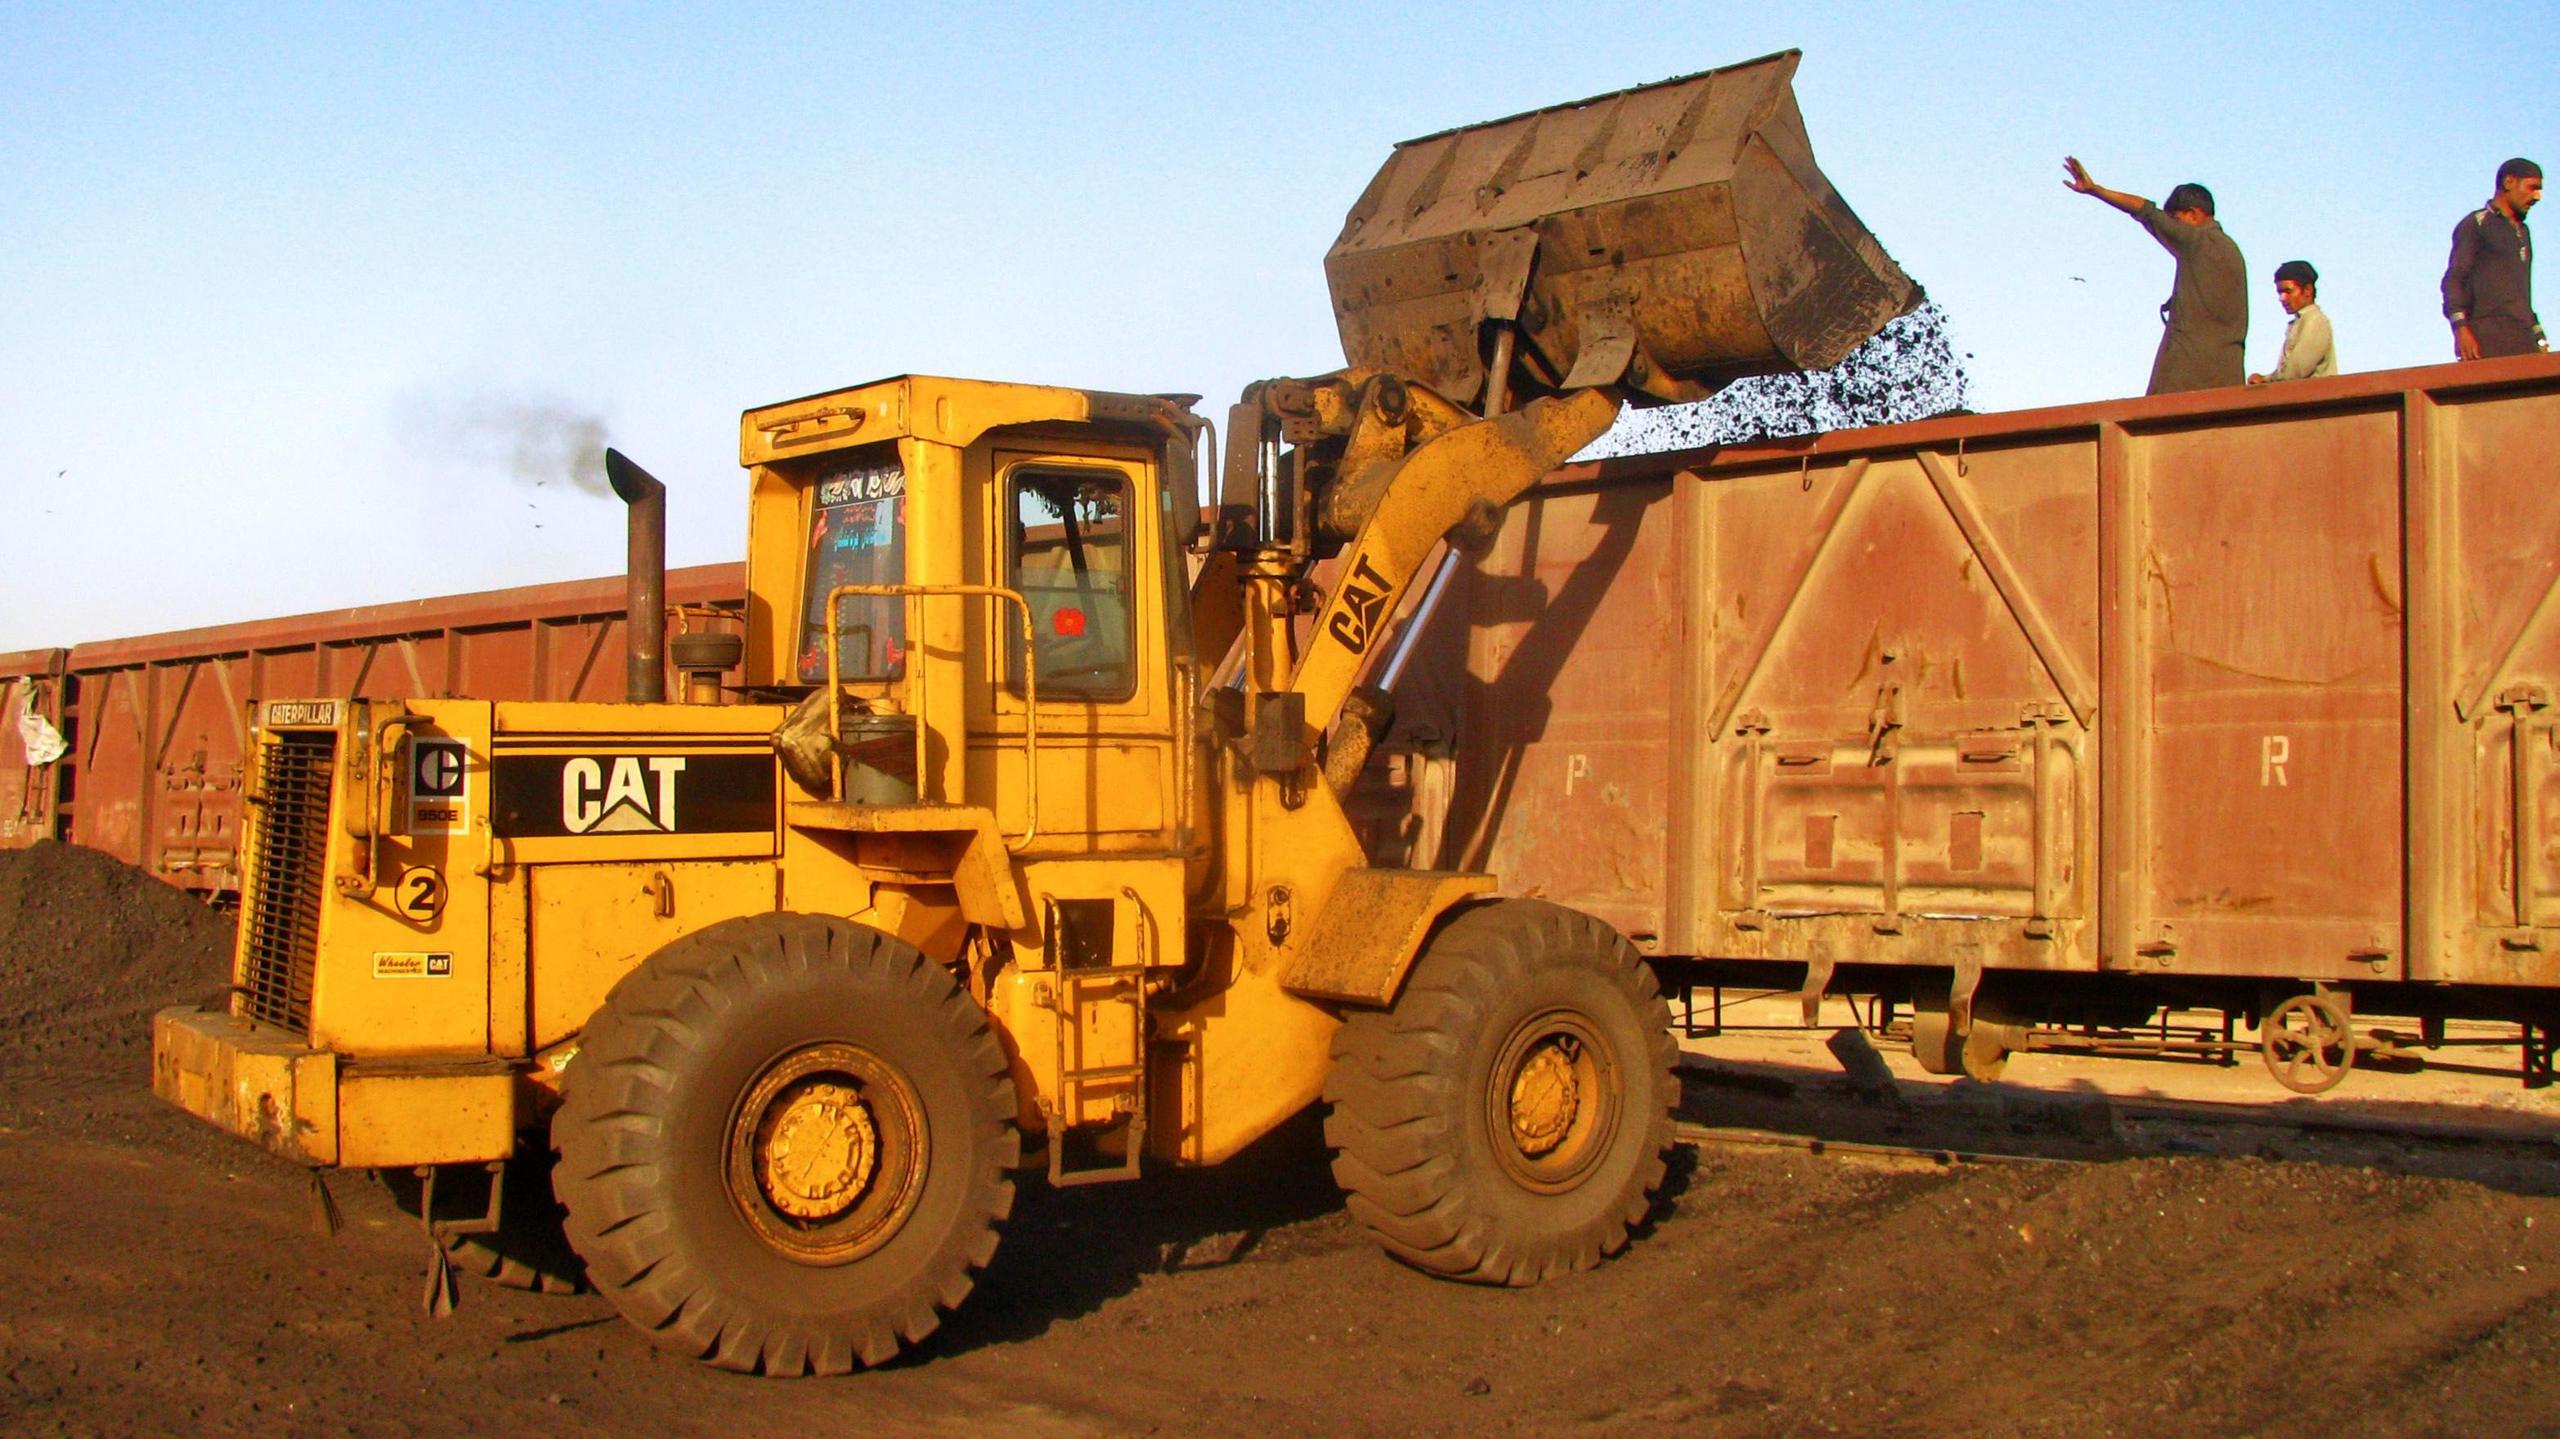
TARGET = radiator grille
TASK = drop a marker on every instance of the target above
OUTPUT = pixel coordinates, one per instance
(280, 910)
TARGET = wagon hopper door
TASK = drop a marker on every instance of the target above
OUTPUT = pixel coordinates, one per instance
(1899, 682)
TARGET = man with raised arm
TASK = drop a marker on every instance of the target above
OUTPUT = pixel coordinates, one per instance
(2488, 283)
(2207, 313)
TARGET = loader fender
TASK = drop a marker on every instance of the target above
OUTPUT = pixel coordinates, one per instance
(1370, 930)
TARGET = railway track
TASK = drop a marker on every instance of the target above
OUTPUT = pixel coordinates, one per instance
(1929, 1156)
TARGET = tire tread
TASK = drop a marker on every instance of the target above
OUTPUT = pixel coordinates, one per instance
(618, 1093)
(1398, 1102)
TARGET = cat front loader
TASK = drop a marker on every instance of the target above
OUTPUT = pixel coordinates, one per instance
(1007, 836)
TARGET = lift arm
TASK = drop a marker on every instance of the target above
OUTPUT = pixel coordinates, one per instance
(1430, 492)
(1652, 244)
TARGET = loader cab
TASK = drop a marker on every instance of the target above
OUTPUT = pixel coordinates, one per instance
(1061, 537)
(994, 574)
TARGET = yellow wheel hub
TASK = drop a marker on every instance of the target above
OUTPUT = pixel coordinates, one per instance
(826, 1153)
(816, 1151)
(1545, 1098)
(1551, 1100)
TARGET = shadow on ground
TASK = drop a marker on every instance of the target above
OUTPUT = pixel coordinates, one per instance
(1067, 1252)
(1863, 1103)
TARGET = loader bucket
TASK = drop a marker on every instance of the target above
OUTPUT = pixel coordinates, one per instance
(1668, 239)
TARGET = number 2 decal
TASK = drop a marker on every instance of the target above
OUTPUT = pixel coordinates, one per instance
(421, 892)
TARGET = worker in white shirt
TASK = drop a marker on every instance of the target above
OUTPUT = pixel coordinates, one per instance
(2309, 349)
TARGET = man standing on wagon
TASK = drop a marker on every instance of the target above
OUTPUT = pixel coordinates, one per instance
(2488, 283)
(2208, 309)
(2310, 351)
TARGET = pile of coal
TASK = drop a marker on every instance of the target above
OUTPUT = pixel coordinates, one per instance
(89, 948)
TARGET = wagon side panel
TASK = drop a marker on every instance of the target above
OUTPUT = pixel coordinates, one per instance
(1900, 692)
(2500, 509)
(1564, 781)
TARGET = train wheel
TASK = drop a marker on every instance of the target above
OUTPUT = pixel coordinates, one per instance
(2308, 1043)
(1508, 1119)
(1934, 1043)
(1987, 1047)
(1979, 1051)
(530, 1248)
(785, 1145)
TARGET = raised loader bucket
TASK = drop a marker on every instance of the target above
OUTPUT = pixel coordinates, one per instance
(1669, 239)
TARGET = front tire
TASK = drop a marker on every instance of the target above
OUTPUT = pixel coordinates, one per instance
(1509, 1118)
(786, 1144)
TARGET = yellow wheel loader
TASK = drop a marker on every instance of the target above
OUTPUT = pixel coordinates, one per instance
(1008, 834)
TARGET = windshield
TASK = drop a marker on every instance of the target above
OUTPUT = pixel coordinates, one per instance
(857, 536)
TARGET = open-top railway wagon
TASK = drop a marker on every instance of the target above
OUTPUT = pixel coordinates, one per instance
(2039, 723)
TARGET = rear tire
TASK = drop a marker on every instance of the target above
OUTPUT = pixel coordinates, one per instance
(786, 1144)
(1509, 1118)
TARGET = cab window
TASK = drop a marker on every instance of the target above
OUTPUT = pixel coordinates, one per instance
(1068, 553)
(857, 536)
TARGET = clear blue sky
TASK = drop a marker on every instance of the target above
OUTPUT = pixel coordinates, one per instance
(300, 302)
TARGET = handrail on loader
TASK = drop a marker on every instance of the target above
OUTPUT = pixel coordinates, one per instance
(1030, 681)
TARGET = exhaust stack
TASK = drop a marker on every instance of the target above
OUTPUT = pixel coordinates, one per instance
(645, 578)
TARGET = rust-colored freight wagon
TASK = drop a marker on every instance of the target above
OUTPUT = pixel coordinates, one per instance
(2242, 699)
(155, 724)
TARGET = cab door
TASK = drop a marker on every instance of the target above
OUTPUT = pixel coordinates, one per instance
(1076, 534)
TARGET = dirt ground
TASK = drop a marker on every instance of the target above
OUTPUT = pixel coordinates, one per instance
(158, 1278)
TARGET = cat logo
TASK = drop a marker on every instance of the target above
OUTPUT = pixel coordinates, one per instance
(628, 794)
(553, 795)
(1364, 602)
(439, 786)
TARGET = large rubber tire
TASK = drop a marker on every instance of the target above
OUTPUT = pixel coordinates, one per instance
(1518, 1013)
(717, 1067)
(530, 1249)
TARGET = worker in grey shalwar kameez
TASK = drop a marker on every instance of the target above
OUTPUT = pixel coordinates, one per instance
(2208, 309)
